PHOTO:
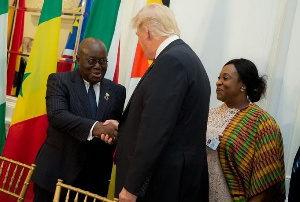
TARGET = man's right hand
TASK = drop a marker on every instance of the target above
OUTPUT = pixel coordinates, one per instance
(109, 129)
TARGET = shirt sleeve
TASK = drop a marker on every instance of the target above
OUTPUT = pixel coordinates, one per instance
(90, 137)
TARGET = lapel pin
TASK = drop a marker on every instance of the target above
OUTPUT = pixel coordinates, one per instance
(106, 96)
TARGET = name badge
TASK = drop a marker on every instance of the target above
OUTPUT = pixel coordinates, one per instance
(212, 143)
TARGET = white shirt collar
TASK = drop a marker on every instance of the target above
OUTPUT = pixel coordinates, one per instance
(165, 43)
(96, 87)
(87, 84)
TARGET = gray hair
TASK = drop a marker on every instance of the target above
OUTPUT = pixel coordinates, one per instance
(158, 19)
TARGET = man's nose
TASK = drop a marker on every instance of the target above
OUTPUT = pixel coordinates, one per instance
(97, 65)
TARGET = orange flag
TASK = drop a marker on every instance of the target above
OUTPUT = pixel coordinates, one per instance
(140, 63)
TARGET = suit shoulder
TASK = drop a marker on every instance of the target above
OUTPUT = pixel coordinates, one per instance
(60, 74)
(61, 77)
(113, 84)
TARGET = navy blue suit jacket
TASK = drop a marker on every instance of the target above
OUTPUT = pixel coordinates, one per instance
(65, 150)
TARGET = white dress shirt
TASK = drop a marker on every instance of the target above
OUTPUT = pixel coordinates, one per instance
(165, 43)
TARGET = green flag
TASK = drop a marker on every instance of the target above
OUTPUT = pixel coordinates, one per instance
(102, 20)
(3, 62)
(104, 24)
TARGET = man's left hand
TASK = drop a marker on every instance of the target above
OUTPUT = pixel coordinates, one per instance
(126, 196)
(107, 139)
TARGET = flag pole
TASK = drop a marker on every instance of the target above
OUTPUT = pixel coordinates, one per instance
(16, 7)
(78, 32)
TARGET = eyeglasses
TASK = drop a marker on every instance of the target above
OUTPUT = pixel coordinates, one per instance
(92, 61)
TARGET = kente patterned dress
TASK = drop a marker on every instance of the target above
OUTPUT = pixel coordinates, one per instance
(252, 156)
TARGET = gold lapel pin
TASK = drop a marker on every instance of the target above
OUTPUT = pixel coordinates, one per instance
(106, 96)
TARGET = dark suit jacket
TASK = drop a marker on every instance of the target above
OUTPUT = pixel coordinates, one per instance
(161, 152)
(294, 191)
(66, 149)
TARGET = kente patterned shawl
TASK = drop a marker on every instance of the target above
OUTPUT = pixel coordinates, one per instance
(251, 155)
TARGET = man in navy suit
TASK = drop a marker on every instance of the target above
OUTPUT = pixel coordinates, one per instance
(73, 150)
(161, 151)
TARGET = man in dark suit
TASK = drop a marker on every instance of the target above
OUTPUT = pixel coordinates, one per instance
(161, 152)
(294, 191)
(73, 150)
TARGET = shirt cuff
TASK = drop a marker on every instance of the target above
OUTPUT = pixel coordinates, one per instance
(90, 137)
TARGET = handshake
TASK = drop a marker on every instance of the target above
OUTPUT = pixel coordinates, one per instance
(106, 131)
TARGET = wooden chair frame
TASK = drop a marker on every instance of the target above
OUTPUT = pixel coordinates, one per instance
(14, 172)
(60, 185)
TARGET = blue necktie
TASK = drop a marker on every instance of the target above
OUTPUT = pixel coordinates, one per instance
(92, 98)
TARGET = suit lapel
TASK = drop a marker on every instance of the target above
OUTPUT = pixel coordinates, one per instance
(80, 90)
(146, 73)
(104, 99)
(174, 43)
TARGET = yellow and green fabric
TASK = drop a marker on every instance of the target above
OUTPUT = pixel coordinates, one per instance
(252, 156)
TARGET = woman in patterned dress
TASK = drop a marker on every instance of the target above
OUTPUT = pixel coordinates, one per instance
(244, 143)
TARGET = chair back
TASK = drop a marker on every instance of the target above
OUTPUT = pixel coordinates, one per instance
(86, 195)
(14, 177)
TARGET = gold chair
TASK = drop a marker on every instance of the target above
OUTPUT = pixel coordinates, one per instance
(15, 177)
(69, 188)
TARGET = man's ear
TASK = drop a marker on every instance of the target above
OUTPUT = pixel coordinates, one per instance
(148, 34)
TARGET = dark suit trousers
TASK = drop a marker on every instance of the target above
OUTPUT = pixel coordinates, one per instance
(90, 178)
(42, 195)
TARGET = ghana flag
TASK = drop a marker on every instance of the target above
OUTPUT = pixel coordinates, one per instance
(29, 122)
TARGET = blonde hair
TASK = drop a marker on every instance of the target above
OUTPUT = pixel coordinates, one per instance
(158, 19)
